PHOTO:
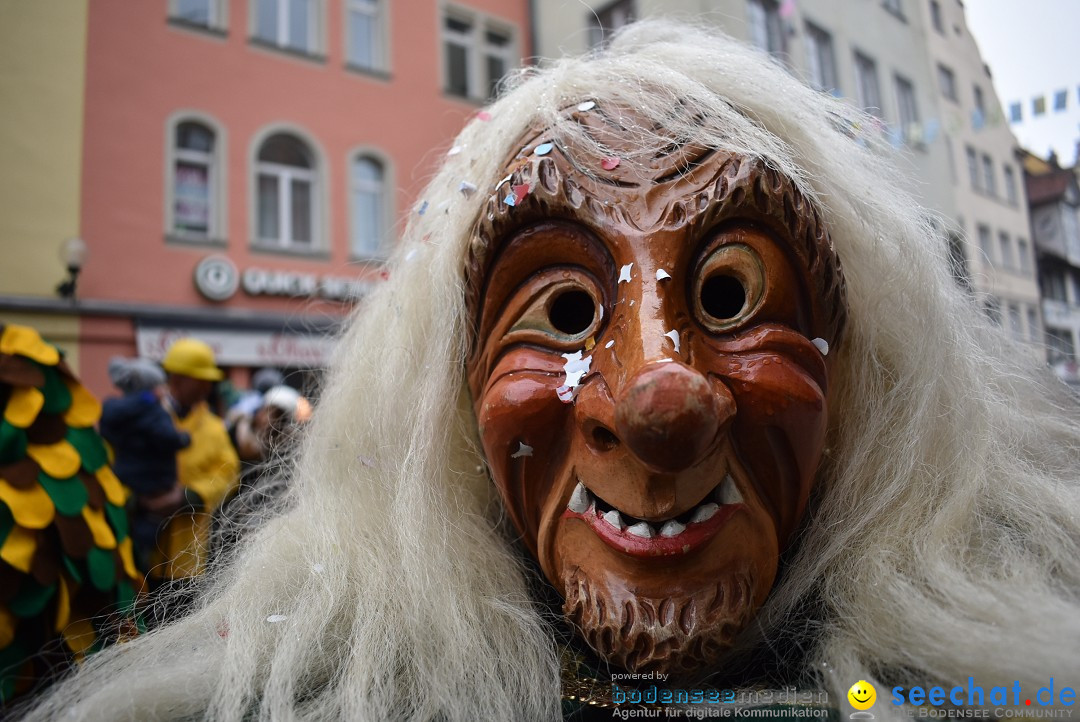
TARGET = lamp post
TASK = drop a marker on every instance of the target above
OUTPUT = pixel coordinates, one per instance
(73, 253)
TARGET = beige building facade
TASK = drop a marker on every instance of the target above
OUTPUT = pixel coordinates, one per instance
(914, 66)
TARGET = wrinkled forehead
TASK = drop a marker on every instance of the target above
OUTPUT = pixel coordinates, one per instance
(607, 169)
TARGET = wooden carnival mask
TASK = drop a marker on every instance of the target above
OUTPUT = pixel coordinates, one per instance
(650, 378)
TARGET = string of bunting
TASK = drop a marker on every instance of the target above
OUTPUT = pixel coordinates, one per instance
(1041, 104)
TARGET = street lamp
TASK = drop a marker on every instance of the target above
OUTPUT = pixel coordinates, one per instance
(73, 254)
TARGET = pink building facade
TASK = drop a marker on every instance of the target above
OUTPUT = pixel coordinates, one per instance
(248, 163)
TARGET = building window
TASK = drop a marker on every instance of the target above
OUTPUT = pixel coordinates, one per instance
(973, 167)
(608, 19)
(958, 261)
(1053, 286)
(766, 28)
(1059, 345)
(203, 13)
(1015, 322)
(1023, 251)
(286, 183)
(905, 102)
(894, 7)
(820, 57)
(947, 81)
(986, 244)
(866, 79)
(292, 24)
(992, 307)
(478, 53)
(980, 103)
(935, 16)
(989, 182)
(1033, 324)
(368, 200)
(194, 181)
(364, 43)
(1010, 184)
(1005, 245)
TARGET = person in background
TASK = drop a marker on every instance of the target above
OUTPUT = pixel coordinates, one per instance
(249, 402)
(208, 469)
(145, 442)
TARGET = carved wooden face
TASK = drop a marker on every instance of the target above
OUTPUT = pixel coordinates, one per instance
(650, 384)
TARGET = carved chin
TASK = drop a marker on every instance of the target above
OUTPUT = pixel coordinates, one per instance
(677, 635)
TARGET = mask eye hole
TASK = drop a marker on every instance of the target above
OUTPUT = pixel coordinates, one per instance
(723, 297)
(571, 312)
(729, 287)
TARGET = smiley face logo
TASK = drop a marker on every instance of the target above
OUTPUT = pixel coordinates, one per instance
(862, 695)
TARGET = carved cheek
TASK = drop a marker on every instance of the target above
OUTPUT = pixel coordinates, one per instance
(779, 431)
(520, 406)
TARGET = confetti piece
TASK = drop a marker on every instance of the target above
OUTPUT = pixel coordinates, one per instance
(467, 188)
(483, 115)
(666, 361)
(543, 149)
(454, 151)
(822, 346)
(661, 274)
(366, 461)
(504, 181)
(566, 394)
(587, 105)
(276, 618)
(674, 336)
(631, 303)
(610, 163)
(423, 208)
(318, 568)
(600, 311)
(523, 450)
(384, 275)
(624, 273)
(520, 191)
(410, 255)
(509, 200)
(589, 343)
(575, 367)
(223, 629)
(609, 344)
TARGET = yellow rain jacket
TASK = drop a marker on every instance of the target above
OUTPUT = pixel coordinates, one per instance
(210, 468)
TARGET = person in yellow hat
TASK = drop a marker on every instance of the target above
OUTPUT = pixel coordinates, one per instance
(208, 468)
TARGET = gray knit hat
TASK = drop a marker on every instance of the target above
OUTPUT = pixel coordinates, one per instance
(132, 375)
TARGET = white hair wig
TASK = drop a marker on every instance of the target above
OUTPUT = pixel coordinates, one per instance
(944, 537)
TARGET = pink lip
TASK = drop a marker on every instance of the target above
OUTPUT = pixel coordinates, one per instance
(695, 535)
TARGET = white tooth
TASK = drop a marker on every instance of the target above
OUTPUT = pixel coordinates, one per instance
(704, 513)
(729, 493)
(615, 519)
(579, 500)
(672, 528)
(641, 529)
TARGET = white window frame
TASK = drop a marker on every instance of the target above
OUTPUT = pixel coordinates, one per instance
(821, 58)
(316, 25)
(1009, 174)
(974, 173)
(477, 49)
(320, 191)
(986, 243)
(867, 83)
(989, 175)
(1023, 253)
(387, 208)
(219, 15)
(1005, 247)
(947, 81)
(771, 33)
(906, 100)
(606, 20)
(378, 10)
(215, 235)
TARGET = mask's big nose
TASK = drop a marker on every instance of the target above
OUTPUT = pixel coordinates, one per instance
(669, 415)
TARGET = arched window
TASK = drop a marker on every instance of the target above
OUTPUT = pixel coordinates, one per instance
(286, 193)
(195, 177)
(368, 190)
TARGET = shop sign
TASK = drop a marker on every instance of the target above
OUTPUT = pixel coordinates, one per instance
(238, 347)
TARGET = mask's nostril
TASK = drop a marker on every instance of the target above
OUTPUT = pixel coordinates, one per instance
(602, 439)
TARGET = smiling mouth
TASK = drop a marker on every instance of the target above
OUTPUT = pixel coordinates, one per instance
(636, 537)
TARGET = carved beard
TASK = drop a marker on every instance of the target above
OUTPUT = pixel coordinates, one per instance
(676, 635)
